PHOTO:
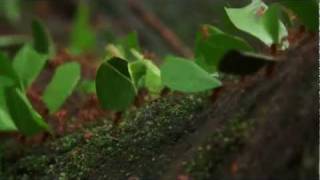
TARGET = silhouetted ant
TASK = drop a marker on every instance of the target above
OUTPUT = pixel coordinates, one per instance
(243, 64)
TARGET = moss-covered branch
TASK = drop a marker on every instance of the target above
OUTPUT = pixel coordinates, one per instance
(264, 127)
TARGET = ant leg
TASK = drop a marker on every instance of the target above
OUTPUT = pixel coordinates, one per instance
(140, 98)
(117, 118)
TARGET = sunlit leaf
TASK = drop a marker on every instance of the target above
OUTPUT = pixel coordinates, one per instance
(212, 44)
(27, 120)
(306, 10)
(186, 76)
(28, 64)
(144, 73)
(250, 19)
(82, 36)
(42, 40)
(137, 71)
(271, 22)
(137, 55)
(115, 89)
(61, 86)
(153, 78)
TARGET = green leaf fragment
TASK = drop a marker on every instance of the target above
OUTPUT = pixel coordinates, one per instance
(28, 64)
(125, 48)
(137, 71)
(251, 19)
(272, 22)
(120, 65)
(42, 41)
(7, 71)
(27, 120)
(61, 86)
(6, 122)
(115, 90)
(6, 82)
(211, 47)
(306, 10)
(128, 43)
(144, 73)
(186, 76)
(153, 80)
(83, 37)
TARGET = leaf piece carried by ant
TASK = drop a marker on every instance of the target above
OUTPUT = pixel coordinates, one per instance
(186, 76)
(240, 63)
(213, 43)
(28, 63)
(28, 121)
(6, 122)
(7, 70)
(307, 12)
(83, 38)
(62, 85)
(42, 41)
(255, 19)
(115, 89)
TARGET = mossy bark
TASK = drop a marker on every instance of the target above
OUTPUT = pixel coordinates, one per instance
(263, 128)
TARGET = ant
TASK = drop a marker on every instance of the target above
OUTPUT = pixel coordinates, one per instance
(261, 11)
(243, 64)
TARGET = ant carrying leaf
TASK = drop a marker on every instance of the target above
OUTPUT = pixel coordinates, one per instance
(240, 63)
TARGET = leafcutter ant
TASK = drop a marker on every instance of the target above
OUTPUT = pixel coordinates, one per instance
(243, 64)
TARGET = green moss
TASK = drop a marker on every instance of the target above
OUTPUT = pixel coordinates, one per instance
(136, 148)
(66, 143)
(33, 163)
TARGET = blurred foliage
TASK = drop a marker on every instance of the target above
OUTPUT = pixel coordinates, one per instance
(82, 35)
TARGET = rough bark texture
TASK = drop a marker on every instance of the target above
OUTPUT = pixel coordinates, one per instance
(263, 128)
